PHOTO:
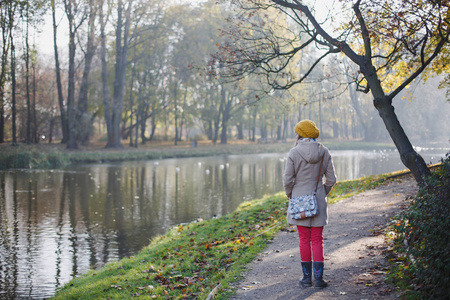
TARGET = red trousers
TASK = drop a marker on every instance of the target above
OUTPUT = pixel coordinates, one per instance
(311, 238)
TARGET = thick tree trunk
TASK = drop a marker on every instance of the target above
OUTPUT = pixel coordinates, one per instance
(410, 158)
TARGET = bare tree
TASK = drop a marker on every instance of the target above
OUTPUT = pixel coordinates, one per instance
(62, 108)
(76, 15)
(11, 13)
(4, 23)
(83, 121)
(105, 88)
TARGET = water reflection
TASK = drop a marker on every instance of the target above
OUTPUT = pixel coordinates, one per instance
(55, 225)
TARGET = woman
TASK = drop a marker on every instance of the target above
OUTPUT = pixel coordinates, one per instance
(300, 178)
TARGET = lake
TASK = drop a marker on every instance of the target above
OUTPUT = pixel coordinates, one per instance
(57, 224)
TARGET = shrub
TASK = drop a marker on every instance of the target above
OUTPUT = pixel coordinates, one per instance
(425, 229)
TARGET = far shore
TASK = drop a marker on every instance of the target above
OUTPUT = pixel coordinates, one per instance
(56, 155)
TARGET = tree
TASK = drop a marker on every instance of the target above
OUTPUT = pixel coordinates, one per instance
(76, 15)
(105, 89)
(4, 23)
(122, 46)
(383, 39)
(12, 7)
(83, 120)
(62, 108)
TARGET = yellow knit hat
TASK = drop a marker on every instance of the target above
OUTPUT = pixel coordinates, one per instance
(307, 129)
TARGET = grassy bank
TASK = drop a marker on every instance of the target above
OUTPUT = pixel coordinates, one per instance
(193, 261)
(44, 156)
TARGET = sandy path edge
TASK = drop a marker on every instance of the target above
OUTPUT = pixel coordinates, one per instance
(354, 266)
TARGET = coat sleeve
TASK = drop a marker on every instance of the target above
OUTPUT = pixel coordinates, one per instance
(330, 175)
(289, 176)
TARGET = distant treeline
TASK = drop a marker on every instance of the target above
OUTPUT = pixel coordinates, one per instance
(144, 70)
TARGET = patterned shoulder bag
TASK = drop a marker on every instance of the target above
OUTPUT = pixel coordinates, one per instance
(305, 206)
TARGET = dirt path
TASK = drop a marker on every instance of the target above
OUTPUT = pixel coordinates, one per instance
(354, 267)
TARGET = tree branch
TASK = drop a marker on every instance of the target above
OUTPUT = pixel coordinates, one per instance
(364, 32)
(425, 63)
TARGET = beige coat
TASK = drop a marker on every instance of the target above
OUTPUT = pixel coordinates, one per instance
(306, 157)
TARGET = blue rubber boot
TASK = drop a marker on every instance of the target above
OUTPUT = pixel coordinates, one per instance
(307, 274)
(319, 283)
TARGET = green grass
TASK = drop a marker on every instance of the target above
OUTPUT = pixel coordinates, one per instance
(25, 157)
(349, 188)
(190, 261)
(187, 262)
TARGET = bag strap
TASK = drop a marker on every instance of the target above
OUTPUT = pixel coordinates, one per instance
(318, 177)
(320, 171)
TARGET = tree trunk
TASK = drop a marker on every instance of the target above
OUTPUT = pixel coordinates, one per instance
(255, 113)
(226, 115)
(120, 71)
(137, 129)
(35, 135)
(219, 114)
(183, 116)
(410, 158)
(105, 88)
(13, 74)
(13, 91)
(27, 79)
(132, 110)
(72, 142)
(83, 131)
(4, 62)
(62, 109)
(240, 130)
(175, 96)
(153, 122)
(285, 126)
(50, 130)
